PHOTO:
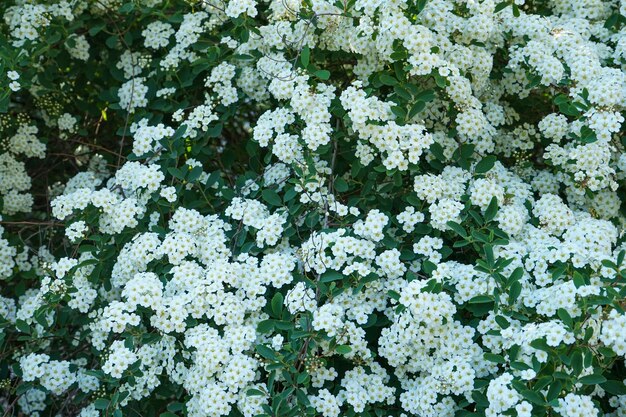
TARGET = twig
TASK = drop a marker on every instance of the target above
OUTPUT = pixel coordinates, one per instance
(34, 223)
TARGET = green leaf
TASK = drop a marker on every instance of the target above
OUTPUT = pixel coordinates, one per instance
(480, 399)
(614, 387)
(283, 325)
(253, 392)
(437, 150)
(243, 57)
(514, 292)
(560, 99)
(606, 352)
(502, 322)
(458, 229)
(393, 294)
(426, 96)
(312, 219)
(461, 243)
(305, 56)
(485, 164)
(399, 112)
(492, 357)
(479, 299)
(569, 109)
(576, 362)
(587, 135)
(516, 275)
(540, 344)
(176, 173)
(489, 255)
(428, 267)
(214, 131)
(592, 379)
(322, 74)
(387, 79)
(402, 92)
(266, 352)
(331, 275)
(302, 377)
(127, 8)
(265, 326)
(277, 304)
(439, 80)
(23, 387)
(22, 326)
(86, 248)
(341, 185)
(194, 174)
(492, 209)
(542, 382)
(290, 193)
(609, 264)
(579, 280)
(521, 366)
(501, 6)
(175, 406)
(41, 319)
(463, 154)
(612, 21)
(343, 349)
(565, 317)
(558, 272)
(94, 30)
(533, 397)
(416, 108)
(271, 197)
(101, 404)
(4, 102)
(554, 390)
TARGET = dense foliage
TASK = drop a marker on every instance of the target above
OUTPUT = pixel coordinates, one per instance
(312, 208)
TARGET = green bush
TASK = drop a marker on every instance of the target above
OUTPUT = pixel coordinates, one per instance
(312, 208)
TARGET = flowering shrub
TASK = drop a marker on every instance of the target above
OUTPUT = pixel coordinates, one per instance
(313, 208)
